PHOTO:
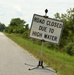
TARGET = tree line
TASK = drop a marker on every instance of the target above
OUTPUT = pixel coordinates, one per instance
(20, 26)
(2, 26)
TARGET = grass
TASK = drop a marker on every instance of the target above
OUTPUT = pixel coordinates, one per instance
(62, 63)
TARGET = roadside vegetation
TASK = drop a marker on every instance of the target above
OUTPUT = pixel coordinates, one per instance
(2, 27)
(59, 57)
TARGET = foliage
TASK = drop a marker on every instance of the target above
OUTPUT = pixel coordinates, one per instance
(68, 31)
(69, 48)
(26, 34)
(2, 26)
(16, 26)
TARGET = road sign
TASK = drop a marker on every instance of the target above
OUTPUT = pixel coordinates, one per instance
(46, 29)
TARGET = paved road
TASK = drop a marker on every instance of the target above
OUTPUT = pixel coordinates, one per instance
(13, 57)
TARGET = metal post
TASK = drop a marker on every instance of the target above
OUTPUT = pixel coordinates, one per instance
(41, 51)
(46, 11)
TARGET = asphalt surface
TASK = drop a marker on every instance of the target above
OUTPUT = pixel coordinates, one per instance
(13, 59)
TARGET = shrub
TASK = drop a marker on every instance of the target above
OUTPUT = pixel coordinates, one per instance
(69, 48)
(26, 34)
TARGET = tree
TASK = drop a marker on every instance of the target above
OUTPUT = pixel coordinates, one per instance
(2, 26)
(57, 15)
(17, 22)
(27, 27)
(68, 31)
(16, 25)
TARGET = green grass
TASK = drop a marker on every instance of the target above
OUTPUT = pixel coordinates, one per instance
(62, 63)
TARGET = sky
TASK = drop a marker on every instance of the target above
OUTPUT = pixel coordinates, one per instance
(25, 9)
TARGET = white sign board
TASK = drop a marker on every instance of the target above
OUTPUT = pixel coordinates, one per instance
(46, 29)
